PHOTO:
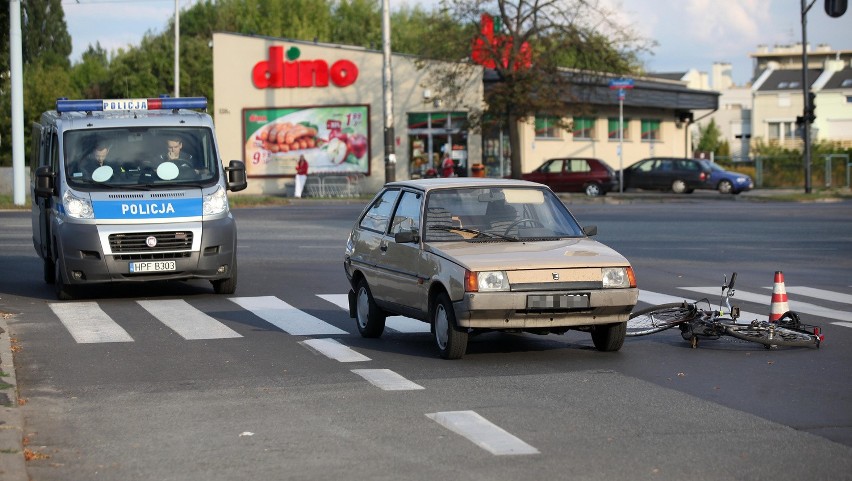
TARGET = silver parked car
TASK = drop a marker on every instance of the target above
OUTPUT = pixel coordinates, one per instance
(475, 254)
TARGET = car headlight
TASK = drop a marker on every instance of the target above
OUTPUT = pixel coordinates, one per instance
(486, 281)
(618, 277)
(215, 203)
(77, 207)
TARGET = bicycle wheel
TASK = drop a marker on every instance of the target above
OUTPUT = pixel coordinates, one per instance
(658, 318)
(770, 336)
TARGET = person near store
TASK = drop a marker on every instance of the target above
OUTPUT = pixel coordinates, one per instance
(448, 167)
(301, 175)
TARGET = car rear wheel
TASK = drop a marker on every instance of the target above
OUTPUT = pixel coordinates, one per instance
(593, 190)
(725, 187)
(609, 337)
(679, 187)
(368, 316)
(452, 341)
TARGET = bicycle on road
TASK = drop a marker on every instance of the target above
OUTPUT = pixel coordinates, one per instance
(697, 323)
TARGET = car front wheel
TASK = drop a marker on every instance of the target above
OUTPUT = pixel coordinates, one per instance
(369, 317)
(725, 187)
(609, 337)
(452, 341)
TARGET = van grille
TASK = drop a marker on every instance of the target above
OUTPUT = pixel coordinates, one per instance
(138, 241)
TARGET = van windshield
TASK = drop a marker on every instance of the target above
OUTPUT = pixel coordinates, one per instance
(148, 157)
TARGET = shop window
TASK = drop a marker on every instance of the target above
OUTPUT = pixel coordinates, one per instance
(546, 127)
(584, 128)
(650, 130)
(612, 128)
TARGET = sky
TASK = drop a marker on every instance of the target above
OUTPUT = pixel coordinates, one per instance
(690, 34)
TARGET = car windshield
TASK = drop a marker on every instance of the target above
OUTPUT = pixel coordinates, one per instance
(495, 213)
(140, 157)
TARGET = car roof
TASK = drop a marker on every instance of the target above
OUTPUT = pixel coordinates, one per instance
(456, 182)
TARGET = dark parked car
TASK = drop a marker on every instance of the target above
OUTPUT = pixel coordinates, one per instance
(679, 175)
(726, 182)
(575, 174)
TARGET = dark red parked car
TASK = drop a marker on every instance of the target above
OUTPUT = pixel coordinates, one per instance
(575, 174)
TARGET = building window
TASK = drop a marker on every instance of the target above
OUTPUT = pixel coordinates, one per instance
(546, 127)
(774, 132)
(612, 128)
(650, 130)
(584, 128)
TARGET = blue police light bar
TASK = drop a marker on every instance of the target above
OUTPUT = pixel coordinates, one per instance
(105, 105)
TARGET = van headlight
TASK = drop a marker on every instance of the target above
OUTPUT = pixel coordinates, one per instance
(77, 207)
(215, 203)
(618, 277)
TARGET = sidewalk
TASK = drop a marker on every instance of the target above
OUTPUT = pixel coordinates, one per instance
(12, 464)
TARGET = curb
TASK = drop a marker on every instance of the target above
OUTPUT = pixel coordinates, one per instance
(12, 464)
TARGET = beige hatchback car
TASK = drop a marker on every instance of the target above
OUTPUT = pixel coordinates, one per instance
(474, 254)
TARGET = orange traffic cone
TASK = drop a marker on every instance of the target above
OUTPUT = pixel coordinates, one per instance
(779, 298)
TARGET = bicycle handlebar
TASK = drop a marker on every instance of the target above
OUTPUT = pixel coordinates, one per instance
(733, 279)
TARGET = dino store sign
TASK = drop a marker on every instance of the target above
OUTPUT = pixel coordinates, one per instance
(275, 72)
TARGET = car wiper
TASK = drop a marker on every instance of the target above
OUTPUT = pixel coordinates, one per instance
(478, 234)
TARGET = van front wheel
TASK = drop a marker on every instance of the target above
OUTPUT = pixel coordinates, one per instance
(229, 285)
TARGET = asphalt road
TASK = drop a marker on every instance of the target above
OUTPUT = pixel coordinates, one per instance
(258, 402)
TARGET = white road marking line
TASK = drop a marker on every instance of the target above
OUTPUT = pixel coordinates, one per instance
(335, 350)
(387, 380)
(286, 317)
(482, 432)
(397, 323)
(817, 294)
(799, 307)
(844, 324)
(88, 323)
(187, 321)
(654, 298)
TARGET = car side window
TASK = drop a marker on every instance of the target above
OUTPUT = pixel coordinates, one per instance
(578, 165)
(554, 167)
(689, 165)
(407, 215)
(378, 215)
(646, 166)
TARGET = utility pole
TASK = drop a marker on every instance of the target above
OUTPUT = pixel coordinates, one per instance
(177, 48)
(17, 71)
(806, 90)
(387, 90)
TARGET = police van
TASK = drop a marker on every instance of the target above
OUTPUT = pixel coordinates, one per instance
(132, 190)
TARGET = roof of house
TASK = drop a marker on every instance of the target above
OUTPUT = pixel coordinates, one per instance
(789, 80)
(840, 80)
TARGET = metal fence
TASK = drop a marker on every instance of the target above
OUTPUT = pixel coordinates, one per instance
(827, 170)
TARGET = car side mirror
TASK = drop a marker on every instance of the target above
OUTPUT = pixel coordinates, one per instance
(44, 181)
(236, 175)
(406, 237)
(590, 230)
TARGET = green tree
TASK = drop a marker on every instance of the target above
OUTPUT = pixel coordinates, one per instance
(564, 36)
(709, 138)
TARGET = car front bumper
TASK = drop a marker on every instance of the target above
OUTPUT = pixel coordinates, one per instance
(509, 310)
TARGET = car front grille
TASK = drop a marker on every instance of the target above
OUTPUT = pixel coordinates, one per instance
(138, 242)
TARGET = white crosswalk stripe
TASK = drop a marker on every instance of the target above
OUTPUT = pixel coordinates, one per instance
(286, 317)
(187, 321)
(387, 380)
(334, 350)
(482, 432)
(818, 294)
(397, 323)
(88, 323)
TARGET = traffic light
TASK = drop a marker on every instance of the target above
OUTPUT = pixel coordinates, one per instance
(835, 8)
(810, 111)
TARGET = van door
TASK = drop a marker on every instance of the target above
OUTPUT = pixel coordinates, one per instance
(40, 205)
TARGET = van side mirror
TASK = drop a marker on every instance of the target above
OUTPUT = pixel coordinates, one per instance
(44, 182)
(590, 230)
(236, 175)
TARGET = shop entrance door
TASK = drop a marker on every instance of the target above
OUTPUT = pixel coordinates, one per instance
(433, 135)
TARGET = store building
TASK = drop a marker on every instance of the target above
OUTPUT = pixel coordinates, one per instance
(279, 99)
